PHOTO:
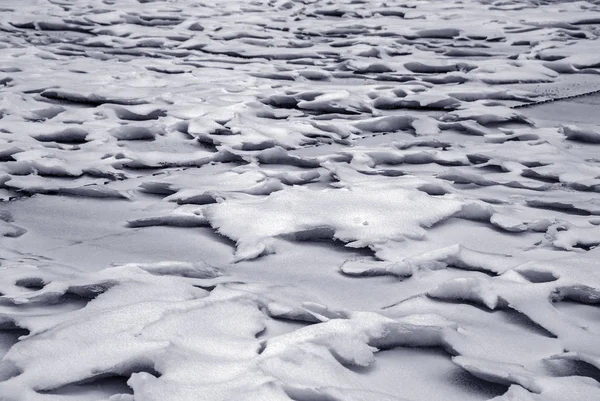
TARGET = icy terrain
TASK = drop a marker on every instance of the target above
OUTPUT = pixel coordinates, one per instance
(299, 200)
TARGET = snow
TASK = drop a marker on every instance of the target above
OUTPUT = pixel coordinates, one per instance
(299, 200)
(351, 215)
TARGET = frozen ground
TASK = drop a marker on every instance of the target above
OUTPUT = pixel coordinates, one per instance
(299, 200)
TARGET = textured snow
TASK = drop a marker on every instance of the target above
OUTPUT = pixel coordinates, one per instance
(299, 200)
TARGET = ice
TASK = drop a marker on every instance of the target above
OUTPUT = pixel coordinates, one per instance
(174, 220)
(582, 135)
(478, 291)
(299, 200)
(201, 190)
(133, 133)
(486, 114)
(571, 237)
(36, 185)
(455, 256)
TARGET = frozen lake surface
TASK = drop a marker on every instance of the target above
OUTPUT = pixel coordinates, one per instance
(301, 200)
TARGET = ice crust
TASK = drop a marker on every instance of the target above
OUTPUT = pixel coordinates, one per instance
(299, 200)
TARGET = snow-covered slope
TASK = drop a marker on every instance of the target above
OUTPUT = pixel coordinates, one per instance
(299, 200)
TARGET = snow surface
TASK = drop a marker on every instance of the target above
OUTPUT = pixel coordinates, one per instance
(300, 200)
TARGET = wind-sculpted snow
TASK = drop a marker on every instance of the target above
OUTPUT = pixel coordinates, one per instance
(299, 200)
